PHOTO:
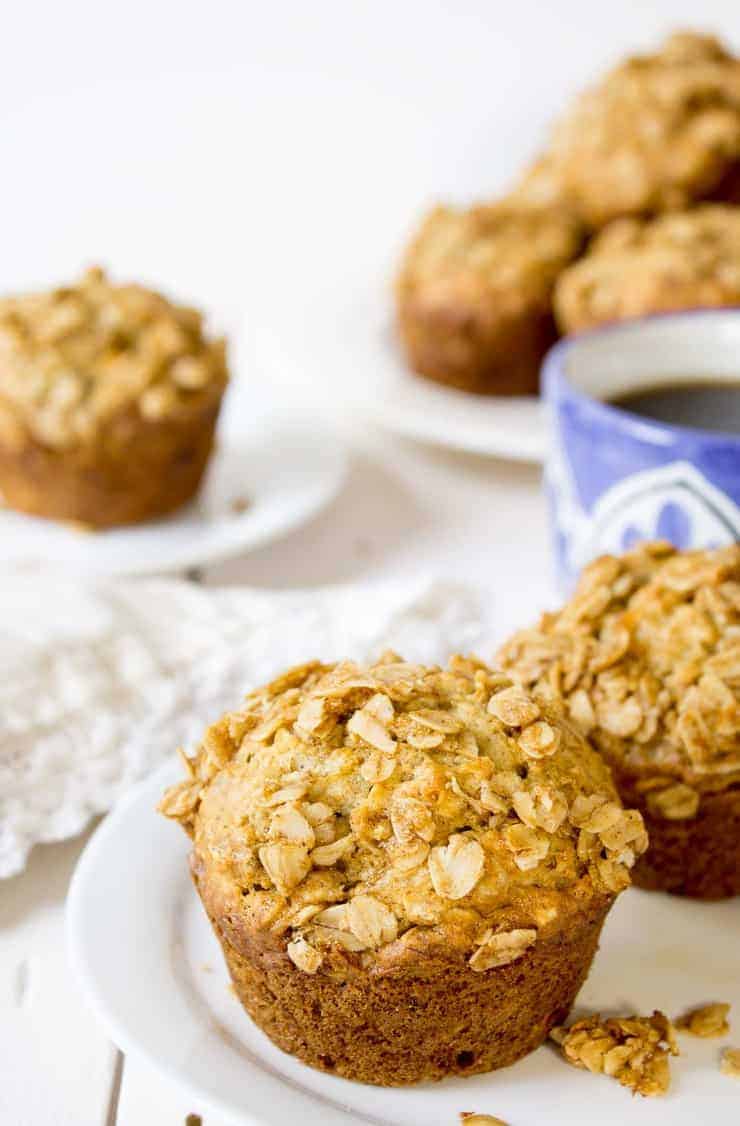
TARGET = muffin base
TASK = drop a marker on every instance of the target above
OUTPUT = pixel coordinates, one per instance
(136, 470)
(698, 857)
(392, 1027)
(454, 348)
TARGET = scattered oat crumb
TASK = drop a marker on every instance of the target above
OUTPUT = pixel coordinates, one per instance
(239, 505)
(705, 1020)
(634, 1050)
(471, 1119)
(207, 968)
(730, 1062)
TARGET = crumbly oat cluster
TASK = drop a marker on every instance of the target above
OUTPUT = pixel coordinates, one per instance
(680, 260)
(633, 1050)
(476, 260)
(356, 805)
(72, 358)
(730, 1062)
(658, 132)
(481, 1120)
(647, 657)
(707, 1021)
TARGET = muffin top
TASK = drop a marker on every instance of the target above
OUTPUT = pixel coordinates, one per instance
(657, 132)
(349, 807)
(680, 260)
(73, 358)
(647, 657)
(489, 259)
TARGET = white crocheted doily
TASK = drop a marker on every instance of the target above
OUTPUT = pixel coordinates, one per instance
(99, 684)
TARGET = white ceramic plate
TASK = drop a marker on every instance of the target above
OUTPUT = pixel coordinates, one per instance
(342, 346)
(283, 468)
(144, 954)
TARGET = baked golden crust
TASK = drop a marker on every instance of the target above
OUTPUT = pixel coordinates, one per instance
(136, 469)
(474, 294)
(658, 132)
(398, 1027)
(387, 826)
(646, 656)
(681, 260)
(109, 397)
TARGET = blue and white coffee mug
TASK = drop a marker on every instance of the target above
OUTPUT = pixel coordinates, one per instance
(614, 477)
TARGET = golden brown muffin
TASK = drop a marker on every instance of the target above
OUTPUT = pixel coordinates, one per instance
(681, 260)
(658, 132)
(407, 868)
(647, 658)
(109, 397)
(474, 294)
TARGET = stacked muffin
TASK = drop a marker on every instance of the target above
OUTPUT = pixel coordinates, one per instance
(475, 294)
(661, 132)
(407, 868)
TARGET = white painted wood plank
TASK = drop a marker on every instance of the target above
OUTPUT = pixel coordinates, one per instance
(56, 1062)
(147, 1097)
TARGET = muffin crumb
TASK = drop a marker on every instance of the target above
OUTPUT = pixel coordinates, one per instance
(633, 1050)
(730, 1062)
(705, 1021)
(469, 1118)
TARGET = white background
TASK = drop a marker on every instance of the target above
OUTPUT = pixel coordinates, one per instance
(236, 153)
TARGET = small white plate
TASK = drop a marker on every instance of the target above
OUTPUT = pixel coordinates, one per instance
(143, 952)
(260, 484)
(342, 346)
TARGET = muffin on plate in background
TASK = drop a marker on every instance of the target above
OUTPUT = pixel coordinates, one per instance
(474, 294)
(408, 868)
(659, 131)
(680, 260)
(646, 656)
(109, 396)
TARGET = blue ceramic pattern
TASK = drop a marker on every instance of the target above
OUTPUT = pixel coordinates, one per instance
(614, 478)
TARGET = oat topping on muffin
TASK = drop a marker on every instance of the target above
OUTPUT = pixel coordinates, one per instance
(647, 657)
(681, 260)
(354, 805)
(658, 132)
(474, 293)
(633, 1050)
(72, 358)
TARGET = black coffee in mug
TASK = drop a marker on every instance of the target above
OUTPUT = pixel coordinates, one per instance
(699, 404)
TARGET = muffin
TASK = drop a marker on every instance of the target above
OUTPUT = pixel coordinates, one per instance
(658, 132)
(681, 260)
(109, 396)
(474, 294)
(407, 868)
(646, 656)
